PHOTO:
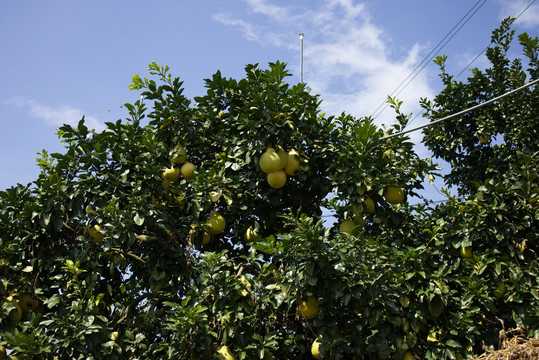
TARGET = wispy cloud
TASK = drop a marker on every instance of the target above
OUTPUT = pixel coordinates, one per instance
(56, 116)
(528, 19)
(347, 59)
(246, 28)
(272, 11)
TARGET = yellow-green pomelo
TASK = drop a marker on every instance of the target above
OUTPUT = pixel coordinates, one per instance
(171, 174)
(360, 189)
(270, 161)
(483, 139)
(394, 195)
(224, 353)
(315, 348)
(188, 170)
(347, 226)
(359, 221)
(216, 223)
(500, 290)
(90, 209)
(436, 307)
(369, 205)
(408, 356)
(96, 234)
(466, 252)
(178, 155)
(206, 237)
(251, 235)
(276, 179)
(292, 165)
(15, 313)
(27, 302)
(166, 185)
(308, 309)
(283, 156)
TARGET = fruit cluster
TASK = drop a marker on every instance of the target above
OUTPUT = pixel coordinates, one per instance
(278, 164)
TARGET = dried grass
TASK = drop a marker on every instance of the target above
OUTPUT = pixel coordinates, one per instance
(513, 346)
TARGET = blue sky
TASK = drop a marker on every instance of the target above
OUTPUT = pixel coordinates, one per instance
(61, 59)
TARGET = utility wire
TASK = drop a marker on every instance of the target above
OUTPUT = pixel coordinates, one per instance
(509, 93)
(426, 60)
(462, 71)
(485, 49)
(472, 108)
(475, 58)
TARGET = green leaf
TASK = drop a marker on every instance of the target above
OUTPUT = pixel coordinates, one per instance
(53, 301)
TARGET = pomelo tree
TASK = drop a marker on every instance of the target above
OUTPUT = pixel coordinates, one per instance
(201, 229)
(494, 158)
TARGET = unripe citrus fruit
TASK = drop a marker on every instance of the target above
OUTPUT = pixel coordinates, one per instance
(466, 252)
(436, 307)
(188, 170)
(224, 353)
(369, 205)
(276, 179)
(283, 156)
(90, 209)
(17, 312)
(408, 356)
(206, 237)
(360, 189)
(500, 291)
(178, 155)
(347, 226)
(411, 339)
(483, 139)
(315, 348)
(216, 223)
(270, 161)
(171, 174)
(251, 235)
(359, 221)
(308, 309)
(292, 165)
(394, 195)
(96, 234)
(27, 302)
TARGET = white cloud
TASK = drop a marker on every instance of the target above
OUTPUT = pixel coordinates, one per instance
(247, 29)
(351, 10)
(528, 19)
(272, 11)
(347, 59)
(56, 116)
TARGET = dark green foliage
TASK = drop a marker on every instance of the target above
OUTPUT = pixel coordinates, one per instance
(150, 289)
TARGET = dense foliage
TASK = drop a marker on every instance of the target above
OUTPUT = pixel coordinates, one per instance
(120, 251)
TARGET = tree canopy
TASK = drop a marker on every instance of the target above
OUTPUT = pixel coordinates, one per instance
(199, 228)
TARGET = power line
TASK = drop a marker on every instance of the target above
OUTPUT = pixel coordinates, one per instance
(477, 57)
(485, 49)
(426, 60)
(509, 93)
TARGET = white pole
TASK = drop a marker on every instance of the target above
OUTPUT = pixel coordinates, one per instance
(301, 57)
